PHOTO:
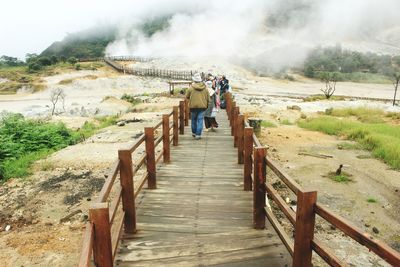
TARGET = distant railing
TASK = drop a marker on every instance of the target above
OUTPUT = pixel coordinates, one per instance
(253, 155)
(150, 72)
(110, 212)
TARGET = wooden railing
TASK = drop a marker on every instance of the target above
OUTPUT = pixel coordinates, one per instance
(252, 154)
(114, 210)
(151, 72)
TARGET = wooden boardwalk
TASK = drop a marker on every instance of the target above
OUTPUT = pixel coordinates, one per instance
(199, 214)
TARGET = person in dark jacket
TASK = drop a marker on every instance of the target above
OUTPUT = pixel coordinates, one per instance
(224, 85)
(198, 102)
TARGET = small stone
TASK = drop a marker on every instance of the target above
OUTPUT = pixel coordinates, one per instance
(88, 199)
(375, 230)
(84, 218)
(8, 228)
(121, 123)
(274, 150)
(48, 224)
(333, 227)
(367, 225)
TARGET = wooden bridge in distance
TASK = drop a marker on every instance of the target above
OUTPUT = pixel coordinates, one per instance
(205, 204)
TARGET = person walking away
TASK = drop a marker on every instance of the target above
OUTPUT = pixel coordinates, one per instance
(198, 97)
(211, 112)
(224, 85)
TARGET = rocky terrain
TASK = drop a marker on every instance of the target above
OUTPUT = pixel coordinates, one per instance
(42, 217)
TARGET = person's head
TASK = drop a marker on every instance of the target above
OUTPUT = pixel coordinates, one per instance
(197, 78)
(223, 77)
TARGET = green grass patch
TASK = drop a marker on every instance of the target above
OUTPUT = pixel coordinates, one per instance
(383, 140)
(344, 177)
(371, 200)
(23, 141)
(286, 122)
(267, 124)
(361, 113)
(349, 146)
(313, 98)
(131, 99)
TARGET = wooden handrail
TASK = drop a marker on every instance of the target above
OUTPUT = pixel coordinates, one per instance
(87, 241)
(295, 187)
(290, 214)
(256, 141)
(105, 190)
(114, 203)
(326, 254)
(305, 240)
(139, 141)
(116, 236)
(125, 193)
(378, 247)
(280, 231)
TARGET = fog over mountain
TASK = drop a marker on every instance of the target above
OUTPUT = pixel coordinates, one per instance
(259, 32)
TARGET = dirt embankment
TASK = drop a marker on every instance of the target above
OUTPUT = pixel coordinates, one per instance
(42, 217)
(369, 200)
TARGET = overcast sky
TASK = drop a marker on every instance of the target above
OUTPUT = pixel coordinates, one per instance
(28, 26)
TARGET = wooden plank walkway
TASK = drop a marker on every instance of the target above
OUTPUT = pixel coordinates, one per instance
(199, 214)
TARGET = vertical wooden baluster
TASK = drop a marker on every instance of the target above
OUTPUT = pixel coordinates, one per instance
(240, 138)
(304, 228)
(150, 157)
(259, 174)
(248, 152)
(175, 127)
(102, 248)
(127, 184)
(166, 147)
(187, 112)
(181, 117)
(236, 113)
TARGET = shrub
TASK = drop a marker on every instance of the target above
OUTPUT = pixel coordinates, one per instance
(267, 124)
(72, 60)
(23, 141)
(131, 99)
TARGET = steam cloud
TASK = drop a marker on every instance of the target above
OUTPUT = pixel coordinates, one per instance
(261, 33)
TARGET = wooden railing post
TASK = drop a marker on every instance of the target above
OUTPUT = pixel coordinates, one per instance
(236, 113)
(175, 126)
(259, 187)
(240, 140)
(304, 228)
(102, 248)
(187, 112)
(128, 199)
(232, 121)
(150, 157)
(166, 147)
(228, 102)
(181, 117)
(231, 110)
(248, 152)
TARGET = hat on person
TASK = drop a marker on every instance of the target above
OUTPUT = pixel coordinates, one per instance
(196, 77)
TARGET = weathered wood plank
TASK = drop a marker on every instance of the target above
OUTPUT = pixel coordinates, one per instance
(199, 215)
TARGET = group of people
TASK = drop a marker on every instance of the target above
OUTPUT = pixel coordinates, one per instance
(206, 97)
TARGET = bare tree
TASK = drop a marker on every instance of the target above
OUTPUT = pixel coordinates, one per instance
(330, 84)
(56, 95)
(396, 81)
